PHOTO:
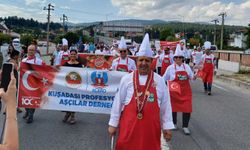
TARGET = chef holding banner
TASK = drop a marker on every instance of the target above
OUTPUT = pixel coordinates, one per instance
(123, 63)
(141, 108)
(31, 59)
(177, 77)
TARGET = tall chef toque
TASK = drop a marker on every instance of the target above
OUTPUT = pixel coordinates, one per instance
(122, 44)
(145, 48)
(178, 51)
(64, 42)
(207, 45)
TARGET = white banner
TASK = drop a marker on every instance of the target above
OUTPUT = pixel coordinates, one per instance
(71, 89)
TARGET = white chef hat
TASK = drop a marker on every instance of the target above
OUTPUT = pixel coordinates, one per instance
(145, 48)
(183, 41)
(207, 45)
(64, 41)
(122, 44)
(178, 51)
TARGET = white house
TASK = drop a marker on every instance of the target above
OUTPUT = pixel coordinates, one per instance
(237, 39)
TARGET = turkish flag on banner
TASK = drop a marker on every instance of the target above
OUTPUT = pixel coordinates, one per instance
(34, 81)
(174, 87)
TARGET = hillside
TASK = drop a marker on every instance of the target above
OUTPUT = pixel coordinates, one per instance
(14, 22)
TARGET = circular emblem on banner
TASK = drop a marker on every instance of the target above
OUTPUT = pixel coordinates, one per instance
(73, 79)
(99, 61)
(99, 78)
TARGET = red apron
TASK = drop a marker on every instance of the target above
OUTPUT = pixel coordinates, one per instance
(181, 101)
(65, 58)
(122, 67)
(208, 70)
(165, 63)
(153, 64)
(144, 134)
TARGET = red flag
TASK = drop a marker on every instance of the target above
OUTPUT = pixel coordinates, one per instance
(34, 81)
(174, 87)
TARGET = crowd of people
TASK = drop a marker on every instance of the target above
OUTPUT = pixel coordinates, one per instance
(149, 97)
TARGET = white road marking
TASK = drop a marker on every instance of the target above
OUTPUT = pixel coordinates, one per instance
(219, 87)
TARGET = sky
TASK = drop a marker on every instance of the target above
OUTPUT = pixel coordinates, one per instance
(80, 11)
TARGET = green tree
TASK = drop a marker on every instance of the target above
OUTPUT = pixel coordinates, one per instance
(166, 33)
(26, 39)
(248, 36)
(4, 38)
(72, 38)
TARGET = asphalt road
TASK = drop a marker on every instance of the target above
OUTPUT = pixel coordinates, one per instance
(218, 122)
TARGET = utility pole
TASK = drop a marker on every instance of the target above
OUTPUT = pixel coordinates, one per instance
(50, 7)
(223, 15)
(215, 24)
(64, 19)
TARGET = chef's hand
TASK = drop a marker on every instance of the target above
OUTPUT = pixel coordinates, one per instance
(167, 134)
(112, 130)
(195, 77)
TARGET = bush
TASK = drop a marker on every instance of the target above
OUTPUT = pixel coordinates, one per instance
(244, 72)
(4, 38)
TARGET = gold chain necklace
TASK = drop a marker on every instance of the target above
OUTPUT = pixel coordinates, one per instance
(140, 104)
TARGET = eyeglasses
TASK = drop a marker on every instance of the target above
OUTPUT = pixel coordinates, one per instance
(123, 51)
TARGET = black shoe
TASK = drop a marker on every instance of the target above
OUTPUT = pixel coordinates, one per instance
(66, 117)
(30, 120)
(19, 110)
(209, 93)
(25, 116)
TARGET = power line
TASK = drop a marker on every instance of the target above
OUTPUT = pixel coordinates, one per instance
(50, 7)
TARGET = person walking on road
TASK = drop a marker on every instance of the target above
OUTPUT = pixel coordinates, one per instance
(70, 116)
(208, 68)
(31, 59)
(177, 77)
(167, 60)
(63, 55)
(123, 63)
(141, 108)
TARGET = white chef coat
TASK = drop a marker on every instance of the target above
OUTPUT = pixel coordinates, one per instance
(131, 63)
(36, 60)
(197, 57)
(125, 93)
(170, 72)
(61, 53)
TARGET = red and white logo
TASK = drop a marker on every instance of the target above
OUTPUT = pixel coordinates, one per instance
(174, 87)
(99, 61)
(73, 79)
(34, 81)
